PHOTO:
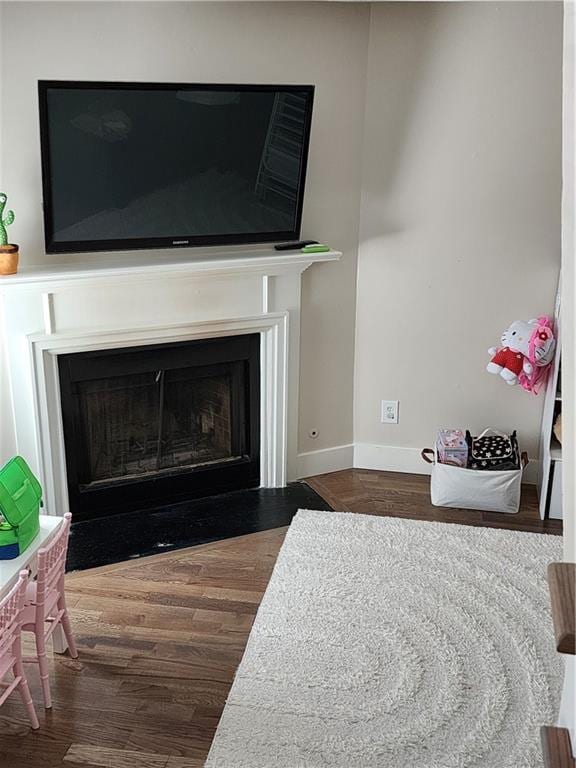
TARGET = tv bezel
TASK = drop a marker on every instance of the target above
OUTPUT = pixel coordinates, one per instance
(182, 240)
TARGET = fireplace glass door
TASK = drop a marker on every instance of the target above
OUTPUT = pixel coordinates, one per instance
(154, 424)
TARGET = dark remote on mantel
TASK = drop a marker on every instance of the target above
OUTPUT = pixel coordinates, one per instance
(294, 246)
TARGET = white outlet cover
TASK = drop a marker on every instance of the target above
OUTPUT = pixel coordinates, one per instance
(389, 411)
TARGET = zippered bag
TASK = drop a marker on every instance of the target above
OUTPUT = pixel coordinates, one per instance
(20, 501)
(493, 450)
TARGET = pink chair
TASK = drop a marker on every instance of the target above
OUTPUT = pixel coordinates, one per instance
(46, 603)
(11, 611)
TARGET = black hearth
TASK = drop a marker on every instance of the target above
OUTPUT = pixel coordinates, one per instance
(153, 425)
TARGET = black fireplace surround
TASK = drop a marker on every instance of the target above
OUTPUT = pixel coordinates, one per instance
(152, 425)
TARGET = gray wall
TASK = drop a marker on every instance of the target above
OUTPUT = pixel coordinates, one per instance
(323, 44)
(456, 108)
(460, 223)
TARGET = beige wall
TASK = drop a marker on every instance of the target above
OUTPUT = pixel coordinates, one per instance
(460, 224)
(246, 42)
(460, 182)
(569, 290)
(7, 439)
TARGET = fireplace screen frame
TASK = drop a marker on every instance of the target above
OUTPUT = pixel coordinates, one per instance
(232, 353)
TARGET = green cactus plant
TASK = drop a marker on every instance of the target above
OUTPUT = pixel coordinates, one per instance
(5, 220)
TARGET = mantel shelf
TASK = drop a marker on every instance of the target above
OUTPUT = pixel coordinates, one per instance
(151, 264)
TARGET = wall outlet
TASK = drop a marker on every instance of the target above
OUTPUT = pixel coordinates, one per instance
(389, 412)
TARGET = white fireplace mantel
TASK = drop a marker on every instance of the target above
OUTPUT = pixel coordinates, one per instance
(142, 298)
(158, 264)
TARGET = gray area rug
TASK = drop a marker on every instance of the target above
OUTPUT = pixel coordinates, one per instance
(389, 643)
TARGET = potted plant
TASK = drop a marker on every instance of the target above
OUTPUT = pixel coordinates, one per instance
(8, 252)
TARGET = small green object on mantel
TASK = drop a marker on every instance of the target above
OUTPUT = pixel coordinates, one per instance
(5, 220)
(317, 248)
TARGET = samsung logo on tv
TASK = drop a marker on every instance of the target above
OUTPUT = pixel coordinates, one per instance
(180, 242)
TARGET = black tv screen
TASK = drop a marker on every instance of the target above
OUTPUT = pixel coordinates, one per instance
(156, 165)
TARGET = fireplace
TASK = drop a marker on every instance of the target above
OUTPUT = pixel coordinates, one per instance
(71, 309)
(150, 425)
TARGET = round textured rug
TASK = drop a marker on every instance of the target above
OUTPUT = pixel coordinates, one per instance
(389, 643)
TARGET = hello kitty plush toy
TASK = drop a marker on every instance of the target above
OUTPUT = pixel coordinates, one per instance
(526, 352)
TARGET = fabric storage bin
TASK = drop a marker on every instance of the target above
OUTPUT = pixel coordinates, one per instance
(494, 491)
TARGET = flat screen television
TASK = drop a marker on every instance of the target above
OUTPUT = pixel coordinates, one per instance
(159, 165)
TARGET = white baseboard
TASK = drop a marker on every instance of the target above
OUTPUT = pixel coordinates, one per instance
(389, 458)
(325, 460)
(392, 458)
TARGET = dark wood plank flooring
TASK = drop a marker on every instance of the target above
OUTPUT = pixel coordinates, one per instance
(401, 495)
(160, 639)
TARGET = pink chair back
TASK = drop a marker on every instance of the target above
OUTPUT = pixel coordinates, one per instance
(10, 616)
(52, 563)
(47, 602)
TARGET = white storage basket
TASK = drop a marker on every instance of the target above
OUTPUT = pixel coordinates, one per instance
(489, 491)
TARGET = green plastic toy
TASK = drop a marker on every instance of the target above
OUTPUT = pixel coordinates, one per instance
(20, 501)
(316, 248)
(5, 220)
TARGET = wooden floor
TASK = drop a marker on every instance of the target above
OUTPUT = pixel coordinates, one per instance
(160, 639)
(400, 495)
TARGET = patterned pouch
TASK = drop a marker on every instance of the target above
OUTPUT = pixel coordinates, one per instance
(493, 450)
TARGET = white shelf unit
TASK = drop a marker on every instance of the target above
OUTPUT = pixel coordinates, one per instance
(550, 475)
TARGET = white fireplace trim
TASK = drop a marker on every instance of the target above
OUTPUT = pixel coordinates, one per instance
(44, 351)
